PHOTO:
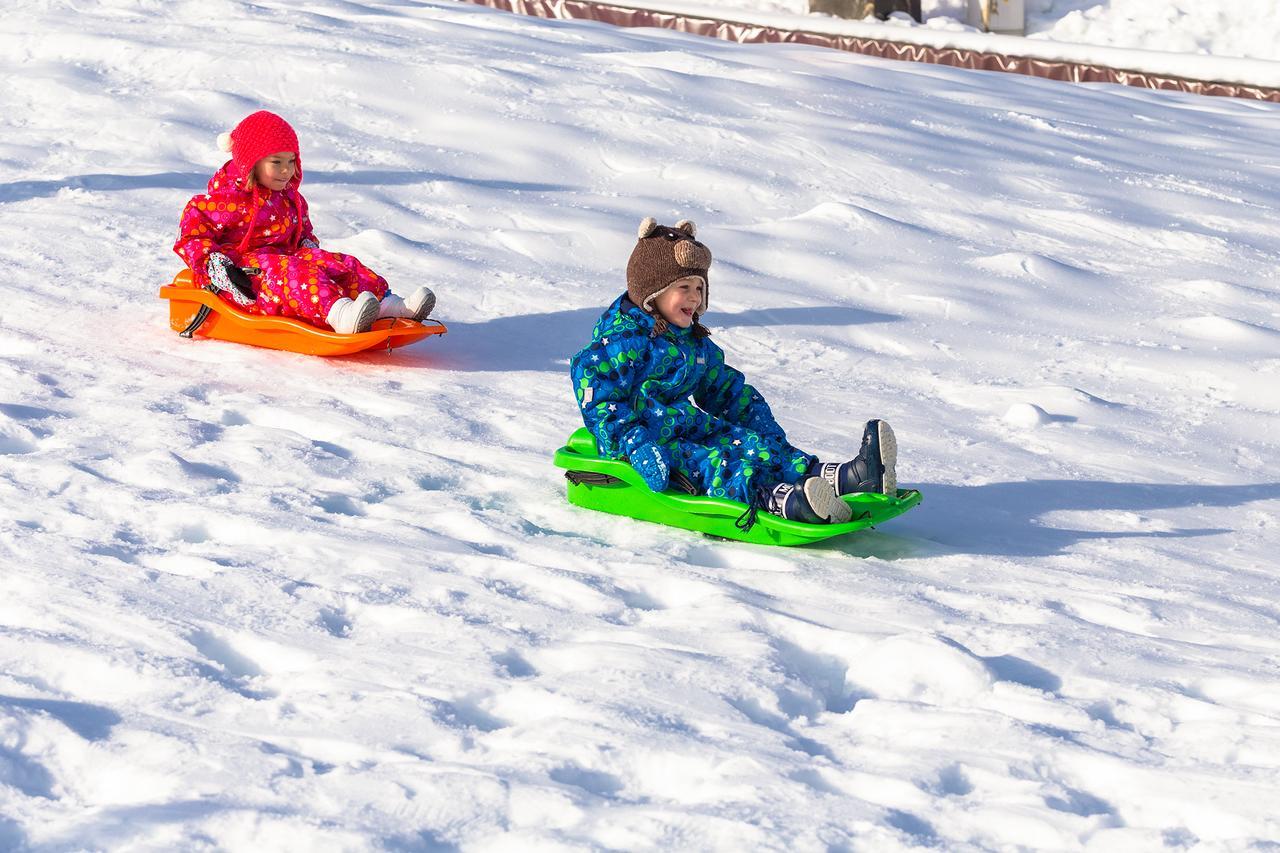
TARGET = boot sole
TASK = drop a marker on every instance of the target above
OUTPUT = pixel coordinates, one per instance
(825, 503)
(368, 313)
(427, 307)
(888, 458)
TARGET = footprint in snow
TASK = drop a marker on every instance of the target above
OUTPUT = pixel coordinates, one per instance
(339, 504)
(335, 622)
(592, 781)
(226, 666)
(514, 664)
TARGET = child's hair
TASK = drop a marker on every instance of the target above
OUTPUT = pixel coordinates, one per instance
(664, 255)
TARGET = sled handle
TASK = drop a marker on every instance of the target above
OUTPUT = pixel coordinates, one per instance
(196, 322)
(590, 478)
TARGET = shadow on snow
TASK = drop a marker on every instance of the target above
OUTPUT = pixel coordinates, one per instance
(1004, 519)
(194, 182)
(546, 342)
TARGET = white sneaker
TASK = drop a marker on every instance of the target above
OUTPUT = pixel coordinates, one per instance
(417, 307)
(352, 316)
(420, 303)
(392, 306)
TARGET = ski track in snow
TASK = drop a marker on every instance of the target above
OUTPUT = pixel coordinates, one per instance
(258, 600)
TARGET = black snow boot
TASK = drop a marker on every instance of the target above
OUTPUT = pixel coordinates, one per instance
(872, 470)
(812, 500)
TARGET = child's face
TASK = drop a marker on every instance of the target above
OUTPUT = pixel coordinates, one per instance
(276, 171)
(677, 303)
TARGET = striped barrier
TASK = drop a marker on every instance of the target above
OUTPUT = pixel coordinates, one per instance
(1053, 69)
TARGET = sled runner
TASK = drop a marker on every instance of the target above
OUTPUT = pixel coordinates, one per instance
(613, 486)
(194, 312)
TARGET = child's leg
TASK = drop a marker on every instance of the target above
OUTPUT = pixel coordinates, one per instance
(320, 288)
(358, 278)
(416, 306)
(762, 471)
(348, 273)
(731, 464)
(294, 286)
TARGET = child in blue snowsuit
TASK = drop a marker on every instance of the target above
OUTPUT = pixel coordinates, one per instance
(649, 355)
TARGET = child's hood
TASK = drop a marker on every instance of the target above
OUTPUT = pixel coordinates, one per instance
(229, 185)
(231, 179)
(625, 315)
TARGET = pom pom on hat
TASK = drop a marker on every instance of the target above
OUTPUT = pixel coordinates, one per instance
(224, 142)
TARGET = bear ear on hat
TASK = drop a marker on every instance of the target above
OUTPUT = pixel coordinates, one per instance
(688, 227)
(224, 141)
(647, 226)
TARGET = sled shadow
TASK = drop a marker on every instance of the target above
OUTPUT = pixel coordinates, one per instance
(546, 342)
(194, 182)
(1004, 519)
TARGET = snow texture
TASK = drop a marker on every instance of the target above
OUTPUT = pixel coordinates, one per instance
(1222, 28)
(255, 600)
(945, 32)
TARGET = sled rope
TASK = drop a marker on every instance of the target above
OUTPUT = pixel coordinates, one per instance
(747, 520)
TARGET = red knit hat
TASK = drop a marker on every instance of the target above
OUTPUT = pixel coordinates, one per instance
(260, 135)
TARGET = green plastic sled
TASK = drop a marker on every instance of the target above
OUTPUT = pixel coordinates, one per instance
(613, 486)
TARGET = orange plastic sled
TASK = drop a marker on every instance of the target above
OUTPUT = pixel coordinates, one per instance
(194, 312)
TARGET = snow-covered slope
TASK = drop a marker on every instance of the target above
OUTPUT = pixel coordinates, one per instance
(1223, 28)
(250, 600)
(1249, 28)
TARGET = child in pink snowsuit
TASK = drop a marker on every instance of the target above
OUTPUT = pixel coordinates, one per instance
(253, 221)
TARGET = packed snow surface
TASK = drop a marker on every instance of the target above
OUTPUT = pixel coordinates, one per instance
(1248, 28)
(1243, 28)
(255, 600)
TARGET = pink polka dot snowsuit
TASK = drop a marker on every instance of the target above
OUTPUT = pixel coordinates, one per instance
(256, 227)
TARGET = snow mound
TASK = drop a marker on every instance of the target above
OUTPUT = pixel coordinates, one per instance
(1027, 415)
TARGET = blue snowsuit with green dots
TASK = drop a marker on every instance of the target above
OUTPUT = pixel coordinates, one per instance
(634, 388)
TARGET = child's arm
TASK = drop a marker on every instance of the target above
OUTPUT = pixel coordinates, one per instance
(199, 236)
(724, 392)
(199, 244)
(604, 375)
(308, 239)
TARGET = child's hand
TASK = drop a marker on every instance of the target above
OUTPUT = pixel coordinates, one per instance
(226, 276)
(653, 464)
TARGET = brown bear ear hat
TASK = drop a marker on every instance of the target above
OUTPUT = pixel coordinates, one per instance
(663, 255)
